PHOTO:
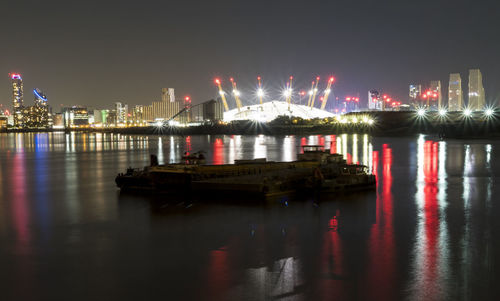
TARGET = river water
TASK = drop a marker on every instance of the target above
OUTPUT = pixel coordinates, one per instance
(429, 232)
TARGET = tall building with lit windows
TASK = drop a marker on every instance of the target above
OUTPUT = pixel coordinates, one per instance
(435, 88)
(17, 99)
(374, 101)
(455, 95)
(476, 90)
(415, 95)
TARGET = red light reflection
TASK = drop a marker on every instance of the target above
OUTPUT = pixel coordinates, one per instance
(218, 156)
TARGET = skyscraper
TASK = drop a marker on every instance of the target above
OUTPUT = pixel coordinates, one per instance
(476, 90)
(38, 116)
(415, 94)
(17, 99)
(374, 102)
(455, 95)
(436, 90)
(121, 113)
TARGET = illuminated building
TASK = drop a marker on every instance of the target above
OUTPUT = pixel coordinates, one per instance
(100, 117)
(415, 94)
(476, 90)
(58, 121)
(39, 114)
(75, 116)
(17, 99)
(138, 114)
(268, 111)
(455, 95)
(374, 101)
(164, 109)
(437, 98)
(167, 95)
(121, 113)
(4, 120)
(209, 111)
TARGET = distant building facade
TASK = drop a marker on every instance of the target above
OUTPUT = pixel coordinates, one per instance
(75, 116)
(167, 95)
(415, 94)
(374, 101)
(437, 99)
(17, 100)
(476, 90)
(121, 113)
(455, 94)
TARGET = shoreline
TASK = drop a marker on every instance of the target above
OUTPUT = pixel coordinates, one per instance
(390, 124)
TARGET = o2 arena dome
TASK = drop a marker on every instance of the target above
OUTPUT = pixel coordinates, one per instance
(268, 111)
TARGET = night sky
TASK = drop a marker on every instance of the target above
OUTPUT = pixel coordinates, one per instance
(98, 52)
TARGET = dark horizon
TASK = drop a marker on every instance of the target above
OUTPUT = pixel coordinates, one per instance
(97, 53)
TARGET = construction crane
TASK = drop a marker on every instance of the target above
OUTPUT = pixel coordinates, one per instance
(260, 92)
(236, 94)
(327, 92)
(315, 91)
(222, 94)
(310, 94)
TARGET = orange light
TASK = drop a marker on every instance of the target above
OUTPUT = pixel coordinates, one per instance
(291, 77)
(348, 99)
(258, 77)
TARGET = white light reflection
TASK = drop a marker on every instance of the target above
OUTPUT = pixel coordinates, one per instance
(365, 150)
(289, 149)
(490, 176)
(430, 266)
(281, 280)
(355, 149)
(160, 151)
(172, 150)
(344, 146)
(260, 148)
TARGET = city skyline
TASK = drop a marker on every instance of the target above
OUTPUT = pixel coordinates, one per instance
(133, 56)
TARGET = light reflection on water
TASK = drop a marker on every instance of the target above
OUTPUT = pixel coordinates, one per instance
(428, 233)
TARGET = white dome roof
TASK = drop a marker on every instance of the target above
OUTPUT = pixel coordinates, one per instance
(270, 110)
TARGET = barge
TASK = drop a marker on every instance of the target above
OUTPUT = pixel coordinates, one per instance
(313, 169)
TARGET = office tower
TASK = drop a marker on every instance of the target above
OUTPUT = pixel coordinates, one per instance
(121, 113)
(476, 90)
(435, 88)
(17, 99)
(374, 102)
(415, 95)
(455, 96)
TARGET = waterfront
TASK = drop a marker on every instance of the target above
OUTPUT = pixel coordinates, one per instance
(427, 233)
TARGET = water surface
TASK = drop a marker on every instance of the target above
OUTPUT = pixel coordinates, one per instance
(429, 232)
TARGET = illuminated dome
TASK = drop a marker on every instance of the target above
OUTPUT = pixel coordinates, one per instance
(270, 110)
